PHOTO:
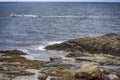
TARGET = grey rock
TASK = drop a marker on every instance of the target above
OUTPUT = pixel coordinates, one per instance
(48, 70)
(58, 64)
(56, 78)
(88, 71)
(75, 54)
(42, 77)
(112, 77)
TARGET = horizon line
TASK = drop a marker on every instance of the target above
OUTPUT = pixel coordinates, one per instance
(68, 1)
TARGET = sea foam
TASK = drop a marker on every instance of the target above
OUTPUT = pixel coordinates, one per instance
(27, 15)
(41, 47)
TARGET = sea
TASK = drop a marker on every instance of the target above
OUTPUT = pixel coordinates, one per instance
(38, 24)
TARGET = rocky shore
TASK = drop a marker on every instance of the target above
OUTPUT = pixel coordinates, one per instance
(103, 50)
(89, 58)
(107, 44)
(12, 64)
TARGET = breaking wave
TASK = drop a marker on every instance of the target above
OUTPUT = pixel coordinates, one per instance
(41, 47)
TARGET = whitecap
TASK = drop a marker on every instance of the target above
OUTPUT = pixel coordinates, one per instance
(54, 42)
(41, 47)
(29, 57)
(56, 16)
(30, 15)
(27, 15)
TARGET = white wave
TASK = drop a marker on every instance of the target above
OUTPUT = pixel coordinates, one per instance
(41, 47)
(19, 15)
(83, 16)
(29, 57)
(54, 42)
(30, 15)
(27, 15)
(60, 16)
(68, 16)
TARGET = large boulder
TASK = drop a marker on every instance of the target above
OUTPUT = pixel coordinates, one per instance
(65, 46)
(109, 43)
(89, 71)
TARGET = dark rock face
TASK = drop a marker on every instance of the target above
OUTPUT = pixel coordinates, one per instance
(56, 58)
(109, 43)
(76, 54)
(56, 78)
(65, 46)
(13, 52)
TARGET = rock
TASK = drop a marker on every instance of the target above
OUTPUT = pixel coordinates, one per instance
(55, 58)
(109, 43)
(113, 77)
(48, 70)
(82, 75)
(56, 78)
(59, 64)
(6, 77)
(65, 46)
(88, 71)
(42, 77)
(106, 71)
(54, 72)
(13, 52)
(76, 54)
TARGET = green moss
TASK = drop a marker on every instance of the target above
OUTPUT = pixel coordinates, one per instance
(65, 74)
(18, 64)
(17, 73)
(16, 57)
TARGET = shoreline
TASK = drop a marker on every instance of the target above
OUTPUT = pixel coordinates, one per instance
(14, 64)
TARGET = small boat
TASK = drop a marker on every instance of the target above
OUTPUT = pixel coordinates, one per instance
(13, 15)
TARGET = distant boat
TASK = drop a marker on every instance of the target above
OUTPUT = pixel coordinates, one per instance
(13, 15)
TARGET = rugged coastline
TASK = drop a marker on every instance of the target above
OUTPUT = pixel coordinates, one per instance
(107, 44)
(90, 58)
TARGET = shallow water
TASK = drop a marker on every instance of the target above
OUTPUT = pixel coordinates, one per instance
(38, 24)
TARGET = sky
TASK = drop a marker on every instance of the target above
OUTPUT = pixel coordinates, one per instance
(60, 0)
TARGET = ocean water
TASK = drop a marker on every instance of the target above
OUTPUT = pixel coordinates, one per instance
(39, 24)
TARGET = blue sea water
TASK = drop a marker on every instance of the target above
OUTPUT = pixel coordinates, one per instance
(39, 24)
